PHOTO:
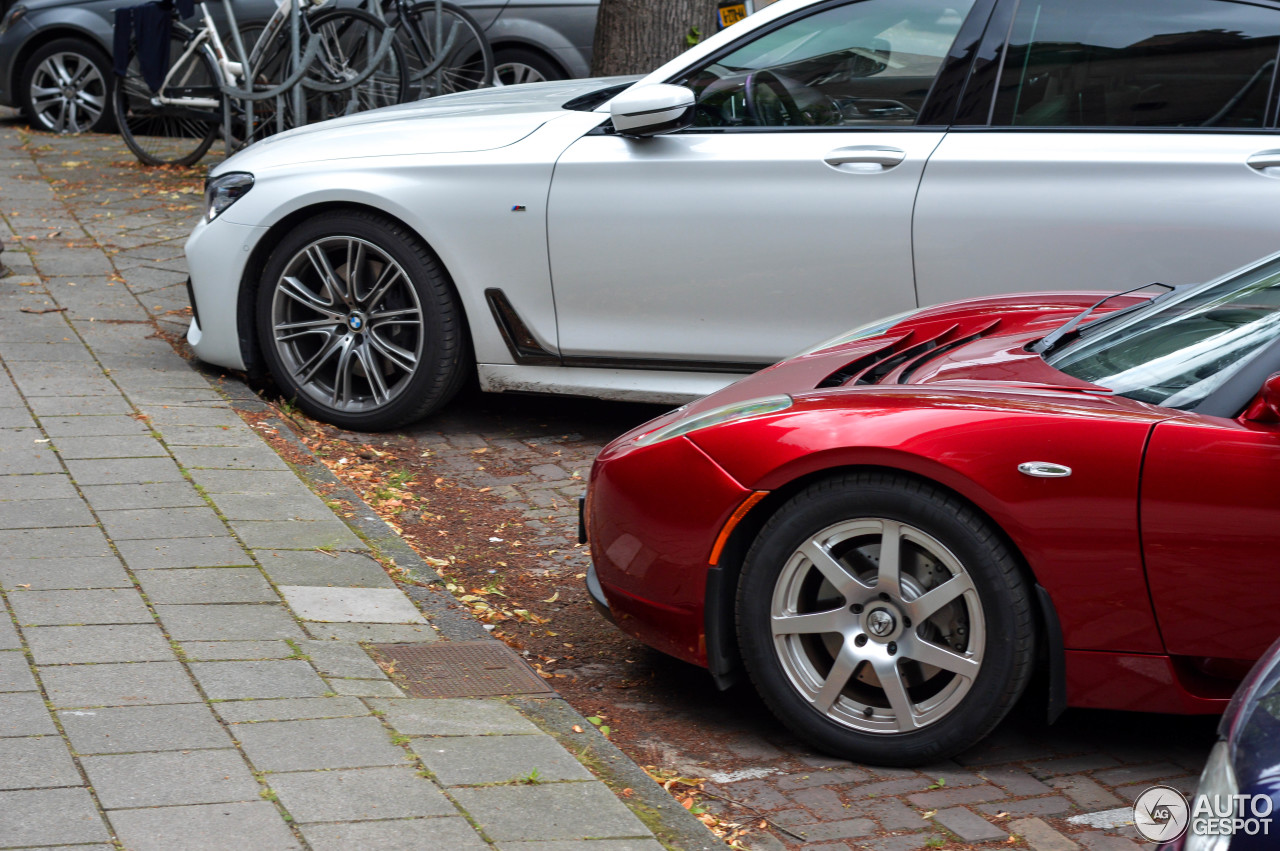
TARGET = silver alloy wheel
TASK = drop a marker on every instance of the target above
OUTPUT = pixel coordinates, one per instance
(878, 626)
(515, 73)
(68, 93)
(347, 324)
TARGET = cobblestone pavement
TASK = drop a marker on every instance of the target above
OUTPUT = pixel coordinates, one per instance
(1028, 779)
(182, 617)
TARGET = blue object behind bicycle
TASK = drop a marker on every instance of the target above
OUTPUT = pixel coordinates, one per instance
(145, 30)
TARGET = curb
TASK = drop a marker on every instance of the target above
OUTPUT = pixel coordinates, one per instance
(673, 825)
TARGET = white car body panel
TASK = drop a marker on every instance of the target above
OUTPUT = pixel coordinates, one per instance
(688, 256)
(619, 385)
(728, 247)
(1090, 211)
(462, 207)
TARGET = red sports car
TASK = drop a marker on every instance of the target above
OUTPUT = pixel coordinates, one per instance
(891, 532)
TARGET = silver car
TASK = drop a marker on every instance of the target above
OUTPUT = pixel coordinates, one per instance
(813, 166)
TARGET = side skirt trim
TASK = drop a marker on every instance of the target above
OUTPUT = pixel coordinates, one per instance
(527, 351)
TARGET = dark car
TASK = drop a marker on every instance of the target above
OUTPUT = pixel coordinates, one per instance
(537, 40)
(55, 55)
(1236, 806)
(55, 59)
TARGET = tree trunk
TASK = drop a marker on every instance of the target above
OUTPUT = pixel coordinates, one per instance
(636, 36)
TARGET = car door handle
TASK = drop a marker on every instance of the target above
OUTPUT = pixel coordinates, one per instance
(1264, 160)
(886, 158)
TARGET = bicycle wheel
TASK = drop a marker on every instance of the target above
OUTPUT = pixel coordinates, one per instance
(162, 133)
(352, 57)
(447, 49)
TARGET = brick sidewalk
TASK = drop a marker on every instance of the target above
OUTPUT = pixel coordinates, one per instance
(180, 614)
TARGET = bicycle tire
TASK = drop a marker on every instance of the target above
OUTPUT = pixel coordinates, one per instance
(464, 59)
(348, 48)
(166, 134)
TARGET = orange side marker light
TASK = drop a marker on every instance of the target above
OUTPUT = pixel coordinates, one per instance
(732, 523)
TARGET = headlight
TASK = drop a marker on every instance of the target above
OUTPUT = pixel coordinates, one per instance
(717, 416)
(15, 15)
(1217, 783)
(862, 332)
(224, 190)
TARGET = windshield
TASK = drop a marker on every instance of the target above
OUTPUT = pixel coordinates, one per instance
(1179, 350)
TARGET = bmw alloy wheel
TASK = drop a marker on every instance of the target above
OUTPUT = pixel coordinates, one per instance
(348, 324)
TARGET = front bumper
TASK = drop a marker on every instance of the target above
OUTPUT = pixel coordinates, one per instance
(217, 254)
(596, 593)
(653, 514)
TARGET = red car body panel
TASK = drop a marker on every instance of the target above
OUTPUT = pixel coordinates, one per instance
(957, 399)
(1209, 489)
(656, 535)
(971, 442)
(1141, 683)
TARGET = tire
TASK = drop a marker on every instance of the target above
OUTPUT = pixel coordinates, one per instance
(814, 600)
(160, 134)
(349, 41)
(323, 345)
(68, 88)
(513, 66)
(463, 60)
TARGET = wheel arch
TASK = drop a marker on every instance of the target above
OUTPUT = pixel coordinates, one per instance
(18, 70)
(247, 327)
(517, 43)
(723, 659)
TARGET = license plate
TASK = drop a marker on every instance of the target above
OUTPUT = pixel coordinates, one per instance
(731, 13)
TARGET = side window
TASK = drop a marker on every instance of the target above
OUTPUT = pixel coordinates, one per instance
(869, 63)
(1139, 63)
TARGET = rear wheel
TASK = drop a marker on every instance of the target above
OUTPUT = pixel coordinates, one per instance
(359, 323)
(68, 88)
(884, 620)
(513, 66)
(161, 133)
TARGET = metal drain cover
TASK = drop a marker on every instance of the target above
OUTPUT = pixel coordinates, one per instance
(461, 669)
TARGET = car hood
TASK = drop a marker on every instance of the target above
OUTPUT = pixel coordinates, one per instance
(977, 343)
(464, 122)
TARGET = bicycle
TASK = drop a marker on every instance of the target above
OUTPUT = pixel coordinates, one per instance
(445, 46)
(307, 64)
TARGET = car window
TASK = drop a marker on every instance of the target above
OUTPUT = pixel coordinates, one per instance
(1140, 63)
(862, 64)
(1175, 353)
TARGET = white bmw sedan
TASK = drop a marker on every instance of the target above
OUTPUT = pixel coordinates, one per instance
(820, 164)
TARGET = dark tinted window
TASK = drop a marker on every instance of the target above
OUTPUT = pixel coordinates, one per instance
(1138, 63)
(868, 63)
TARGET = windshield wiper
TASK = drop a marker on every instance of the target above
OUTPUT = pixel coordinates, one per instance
(1051, 339)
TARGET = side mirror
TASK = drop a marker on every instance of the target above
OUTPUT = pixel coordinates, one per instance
(1266, 407)
(651, 110)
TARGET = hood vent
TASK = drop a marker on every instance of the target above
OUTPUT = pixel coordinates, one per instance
(903, 356)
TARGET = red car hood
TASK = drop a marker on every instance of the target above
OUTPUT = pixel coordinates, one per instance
(978, 342)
